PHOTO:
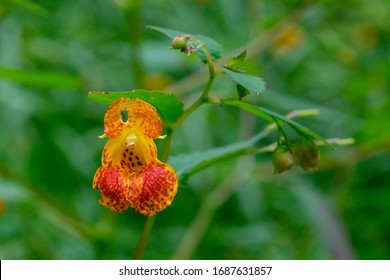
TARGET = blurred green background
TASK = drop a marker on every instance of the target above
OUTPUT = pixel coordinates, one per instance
(330, 55)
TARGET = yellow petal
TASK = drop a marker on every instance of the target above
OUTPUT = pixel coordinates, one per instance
(132, 151)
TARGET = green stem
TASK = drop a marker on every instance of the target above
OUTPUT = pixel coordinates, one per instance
(166, 147)
(209, 62)
(139, 251)
(204, 96)
(199, 102)
(281, 131)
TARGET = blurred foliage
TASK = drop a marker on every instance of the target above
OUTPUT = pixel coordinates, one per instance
(330, 55)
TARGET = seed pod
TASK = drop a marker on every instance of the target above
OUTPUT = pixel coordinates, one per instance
(282, 159)
(306, 154)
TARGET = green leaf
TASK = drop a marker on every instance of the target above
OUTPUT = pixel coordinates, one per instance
(214, 47)
(270, 116)
(248, 81)
(187, 165)
(236, 62)
(41, 79)
(171, 33)
(167, 104)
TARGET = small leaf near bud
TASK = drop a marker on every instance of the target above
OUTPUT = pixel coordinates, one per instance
(236, 62)
(242, 91)
(282, 159)
(180, 42)
(306, 154)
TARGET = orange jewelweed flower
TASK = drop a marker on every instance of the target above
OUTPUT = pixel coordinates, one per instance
(131, 175)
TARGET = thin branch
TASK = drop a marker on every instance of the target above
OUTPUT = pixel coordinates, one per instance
(142, 243)
(254, 47)
(139, 251)
(202, 220)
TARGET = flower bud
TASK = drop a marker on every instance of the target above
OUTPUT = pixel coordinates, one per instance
(282, 159)
(180, 42)
(306, 154)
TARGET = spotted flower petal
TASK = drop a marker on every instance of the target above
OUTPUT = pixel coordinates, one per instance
(141, 116)
(131, 175)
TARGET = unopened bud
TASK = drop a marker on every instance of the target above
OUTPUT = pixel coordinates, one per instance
(306, 154)
(282, 159)
(180, 42)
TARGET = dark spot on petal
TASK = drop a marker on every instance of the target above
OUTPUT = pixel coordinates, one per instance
(124, 116)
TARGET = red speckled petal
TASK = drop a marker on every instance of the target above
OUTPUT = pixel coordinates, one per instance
(141, 116)
(154, 189)
(113, 187)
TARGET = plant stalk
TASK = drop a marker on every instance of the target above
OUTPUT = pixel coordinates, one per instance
(141, 246)
(139, 251)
